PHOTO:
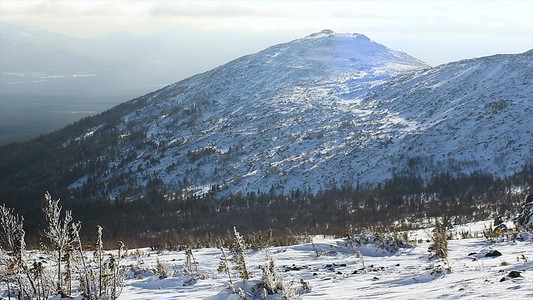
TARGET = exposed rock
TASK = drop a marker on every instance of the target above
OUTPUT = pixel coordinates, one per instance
(493, 253)
(514, 274)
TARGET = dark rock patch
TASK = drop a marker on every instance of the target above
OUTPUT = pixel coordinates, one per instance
(493, 253)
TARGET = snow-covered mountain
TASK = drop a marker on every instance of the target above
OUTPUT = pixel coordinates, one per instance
(54, 79)
(325, 110)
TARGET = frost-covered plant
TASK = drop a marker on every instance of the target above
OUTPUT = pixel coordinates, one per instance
(7, 270)
(68, 258)
(12, 234)
(84, 273)
(237, 249)
(161, 269)
(119, 273)
(43, 281)
(191, 266)
(242, 294)
(439, 248)
(107, 279)
(13, 237)
(273, 283)
(361, 258)
(466, 234)
(236, 262)
(386, 242)
(113, 277)
(57, 232)
(305, 286)
(98, 255)
(489, 233)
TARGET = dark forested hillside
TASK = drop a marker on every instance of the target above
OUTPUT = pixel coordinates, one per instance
(158, 219)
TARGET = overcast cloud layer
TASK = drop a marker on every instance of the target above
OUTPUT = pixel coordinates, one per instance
(434, 31)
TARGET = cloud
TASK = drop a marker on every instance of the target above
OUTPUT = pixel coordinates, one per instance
(199, 9)
(414, 15)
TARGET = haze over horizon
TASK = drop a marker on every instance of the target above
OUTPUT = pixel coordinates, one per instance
(436, 32)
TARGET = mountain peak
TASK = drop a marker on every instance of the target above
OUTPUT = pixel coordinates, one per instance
(330, 33)
(323, 33)
(336, 53)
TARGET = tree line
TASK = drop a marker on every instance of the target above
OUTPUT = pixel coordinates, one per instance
(157, 217)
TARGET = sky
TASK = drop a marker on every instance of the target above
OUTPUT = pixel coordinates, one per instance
(434, 31)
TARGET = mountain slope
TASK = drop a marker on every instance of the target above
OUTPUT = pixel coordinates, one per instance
(54, 79)
(322, 111)
(476, 114)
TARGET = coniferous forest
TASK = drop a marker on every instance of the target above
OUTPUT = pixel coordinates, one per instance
(159, 218)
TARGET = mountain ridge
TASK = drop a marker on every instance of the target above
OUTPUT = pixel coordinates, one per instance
(310, 114)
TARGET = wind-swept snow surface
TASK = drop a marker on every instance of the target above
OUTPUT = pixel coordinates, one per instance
(339, 274)
(338, 269)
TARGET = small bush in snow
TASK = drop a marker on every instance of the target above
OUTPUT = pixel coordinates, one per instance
(386, 242)
(238, 250)
(224, 267)
(191, 266)
(439, 247)
(161, 269)
(273, 283)
(13, 238)
(361, 258)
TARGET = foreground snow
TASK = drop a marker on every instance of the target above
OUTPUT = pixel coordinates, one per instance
(363, 268)
(333, 271)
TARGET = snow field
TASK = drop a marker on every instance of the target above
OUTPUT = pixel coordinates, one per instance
(333, 270)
